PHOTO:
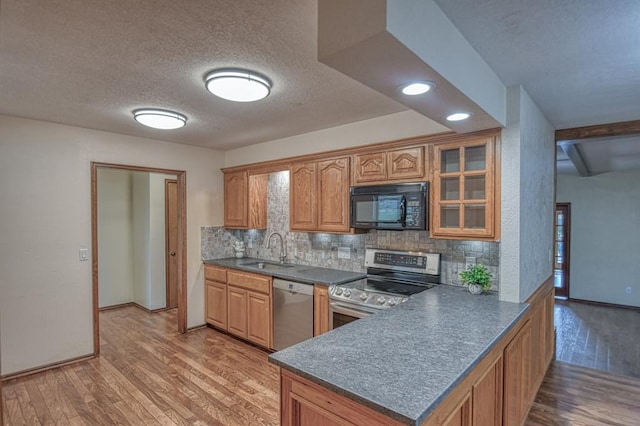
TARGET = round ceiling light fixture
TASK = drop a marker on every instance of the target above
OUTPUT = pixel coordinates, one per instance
(417, 87)
(238, 85)
(160, 118)
(458, 116)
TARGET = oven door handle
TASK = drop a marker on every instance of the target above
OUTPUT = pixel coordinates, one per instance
(340, 308)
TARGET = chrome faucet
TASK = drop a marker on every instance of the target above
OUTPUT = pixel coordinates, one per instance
(283, 252)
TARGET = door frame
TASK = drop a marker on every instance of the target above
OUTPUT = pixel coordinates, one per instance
(166, 238)
(567, 246)
(182, 241)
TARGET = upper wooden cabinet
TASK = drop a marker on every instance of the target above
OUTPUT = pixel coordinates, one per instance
(407, 164)
(464, 196)
(245, 200)
(319, 196)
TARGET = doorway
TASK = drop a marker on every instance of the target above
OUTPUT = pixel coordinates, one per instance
(561, 249)
(170, 251)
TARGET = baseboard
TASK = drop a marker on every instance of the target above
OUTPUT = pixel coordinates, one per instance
(147, 310)
(118, 306)
(46, 367)
(196, 327)
(609, 305)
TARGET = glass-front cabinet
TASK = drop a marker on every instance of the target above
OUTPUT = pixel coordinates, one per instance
(464, 203)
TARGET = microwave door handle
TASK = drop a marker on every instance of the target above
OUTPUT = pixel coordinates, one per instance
(403, 211)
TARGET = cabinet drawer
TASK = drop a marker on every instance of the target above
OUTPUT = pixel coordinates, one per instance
(215, 273)
(254, 282)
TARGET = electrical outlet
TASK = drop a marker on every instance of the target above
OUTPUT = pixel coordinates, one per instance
(469, 261)
(628, 290)
(84, 254)
(250, 243)
(344, 253)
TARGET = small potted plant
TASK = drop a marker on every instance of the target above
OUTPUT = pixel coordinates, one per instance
(477, 278)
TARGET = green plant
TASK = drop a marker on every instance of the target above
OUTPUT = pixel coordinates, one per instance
(477, 274)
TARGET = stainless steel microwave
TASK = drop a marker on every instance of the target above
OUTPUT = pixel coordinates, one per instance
(392, 207)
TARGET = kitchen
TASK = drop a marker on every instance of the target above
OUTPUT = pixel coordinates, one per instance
(46, 310)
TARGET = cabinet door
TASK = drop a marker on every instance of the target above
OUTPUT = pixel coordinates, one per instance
(258, 201)
(464, 189)
(369, 168)
(236, 196)
(406, 163)
(516, 376)
(237, 311)
(216, 307)
(320, 310)
(259, 319)
(303, 213)
(333, 195)
(461, 416)
(487, 397)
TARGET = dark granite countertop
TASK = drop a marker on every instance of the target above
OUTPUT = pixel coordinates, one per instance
(301, 273)
(404, 361)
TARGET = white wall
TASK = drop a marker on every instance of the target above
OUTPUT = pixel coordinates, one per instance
(45, 291)
(605, 231)
(381, 129)
(528, 167)
(141, 240)
(115, 228)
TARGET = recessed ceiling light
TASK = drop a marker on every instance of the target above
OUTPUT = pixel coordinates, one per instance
(458, 116)
(417, 87)
(238, 85)
(159, 118)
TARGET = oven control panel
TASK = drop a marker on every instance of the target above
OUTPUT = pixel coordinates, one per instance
(425, 263)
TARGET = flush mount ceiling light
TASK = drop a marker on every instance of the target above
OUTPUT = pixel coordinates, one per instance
(458, 116)
(159, 118)
(417, 87)
(238, 85)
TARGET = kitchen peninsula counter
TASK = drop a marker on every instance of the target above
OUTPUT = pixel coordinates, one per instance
(300, 273)
(403, 362)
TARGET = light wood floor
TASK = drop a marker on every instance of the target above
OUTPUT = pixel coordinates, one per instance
(148, 374)
(575, 395)
(599, 337)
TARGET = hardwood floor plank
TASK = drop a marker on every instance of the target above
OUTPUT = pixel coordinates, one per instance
(575, 395)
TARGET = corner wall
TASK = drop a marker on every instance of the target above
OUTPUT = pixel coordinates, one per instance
(45, 178)
(528, 170)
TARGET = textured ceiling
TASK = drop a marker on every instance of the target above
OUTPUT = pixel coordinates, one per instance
(89, 63)
(577, 59)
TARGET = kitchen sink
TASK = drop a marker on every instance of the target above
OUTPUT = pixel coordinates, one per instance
(268, 265)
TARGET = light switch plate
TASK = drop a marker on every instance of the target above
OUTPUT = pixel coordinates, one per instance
(344, 253)
(469, 261)
(84, 254)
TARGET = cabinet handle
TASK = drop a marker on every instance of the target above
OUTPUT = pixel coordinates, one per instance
(173, 253)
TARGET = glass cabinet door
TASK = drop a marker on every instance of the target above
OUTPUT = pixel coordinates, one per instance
(463, 187)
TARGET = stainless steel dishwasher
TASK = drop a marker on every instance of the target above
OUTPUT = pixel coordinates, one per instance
(292, 313)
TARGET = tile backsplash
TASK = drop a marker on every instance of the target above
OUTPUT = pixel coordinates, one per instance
(322, 249)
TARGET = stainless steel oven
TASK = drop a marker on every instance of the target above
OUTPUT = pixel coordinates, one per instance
(344, 313)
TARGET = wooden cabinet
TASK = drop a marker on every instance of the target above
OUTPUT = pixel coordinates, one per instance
(245, 200)
(303, 211)
(517, 376)
(216, 296)
(304, 403)
(407, 164)
(464, 193)
(249, 307)
(319, 196)
(240, 303)
(216, 308)
(320, 309)
(461, 415)
(237, 311)
(487, 397)
(259, 318)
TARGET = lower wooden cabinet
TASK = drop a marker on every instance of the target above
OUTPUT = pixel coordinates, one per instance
(320, 309)
(517, 377)
(461, 415)
(216, 304)
(303, 403)
(487, 396)
(259, 319)
(237, 314)
(240, 305)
